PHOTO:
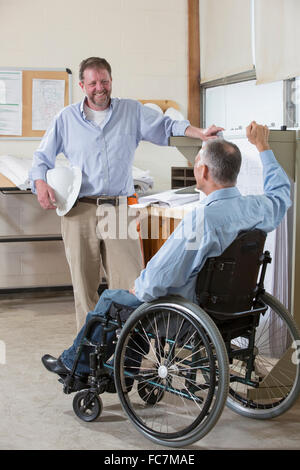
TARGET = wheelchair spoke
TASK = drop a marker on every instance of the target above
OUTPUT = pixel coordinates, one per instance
(157, 337)
(143, 338)
(148, 339)
(192, 397)
(175, 340)
(187, 342)
(186, 406)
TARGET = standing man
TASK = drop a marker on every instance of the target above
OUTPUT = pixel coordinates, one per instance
(99, 135)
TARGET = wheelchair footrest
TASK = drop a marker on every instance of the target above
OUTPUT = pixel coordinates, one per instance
(73, 385)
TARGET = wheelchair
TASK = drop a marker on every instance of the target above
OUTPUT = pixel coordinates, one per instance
(177, 363)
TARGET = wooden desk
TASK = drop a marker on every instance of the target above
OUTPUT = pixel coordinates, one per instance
(157, 224)
(6, 183)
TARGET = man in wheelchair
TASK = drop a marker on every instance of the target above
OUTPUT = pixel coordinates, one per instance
(205, 232)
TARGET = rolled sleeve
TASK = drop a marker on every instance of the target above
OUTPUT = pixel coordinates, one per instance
(157, 128)
(276, 189)
(37, 173)
(44, 157)
(179, 127)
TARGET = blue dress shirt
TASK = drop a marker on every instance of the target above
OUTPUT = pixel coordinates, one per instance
(104, 153)
(209, 229)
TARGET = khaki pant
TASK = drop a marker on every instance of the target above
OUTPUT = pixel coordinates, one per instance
(89, 246)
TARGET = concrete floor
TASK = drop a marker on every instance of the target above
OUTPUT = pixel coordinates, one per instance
(36, 415)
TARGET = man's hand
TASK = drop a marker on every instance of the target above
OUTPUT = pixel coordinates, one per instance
(45, 195)
(132, 290)
(203, 134)
(258, 136)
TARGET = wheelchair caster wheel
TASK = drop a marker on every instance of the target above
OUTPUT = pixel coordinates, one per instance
(149, 393)
(87, 405)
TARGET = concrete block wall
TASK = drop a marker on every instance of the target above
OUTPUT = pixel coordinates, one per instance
(29, 264)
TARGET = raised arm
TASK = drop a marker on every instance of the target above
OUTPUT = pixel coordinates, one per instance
(276, 182)
(157, 128)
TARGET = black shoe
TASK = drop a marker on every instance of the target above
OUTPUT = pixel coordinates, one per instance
(55, 365)
(74, 384)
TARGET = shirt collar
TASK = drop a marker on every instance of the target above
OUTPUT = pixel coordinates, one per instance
(225, 193)
(84, 100)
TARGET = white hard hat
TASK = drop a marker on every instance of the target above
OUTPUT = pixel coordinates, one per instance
(154, 106)
(174, 114)
(66, 182)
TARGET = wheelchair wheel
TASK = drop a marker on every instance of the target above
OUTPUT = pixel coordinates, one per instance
(87, 405)
(170, 355)
(275, 370)
(150, 394)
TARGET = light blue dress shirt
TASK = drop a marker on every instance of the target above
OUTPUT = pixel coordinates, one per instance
(104, 153)
(209, 229)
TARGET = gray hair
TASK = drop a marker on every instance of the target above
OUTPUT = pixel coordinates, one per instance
(223, 159)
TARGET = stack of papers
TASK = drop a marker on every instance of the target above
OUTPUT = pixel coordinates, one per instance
(16, 170)
(168, 199)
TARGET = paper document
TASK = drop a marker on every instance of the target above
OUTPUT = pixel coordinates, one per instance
(16, 170)
(250, 178)
(11, 102)
(48, 98)
(168, 198)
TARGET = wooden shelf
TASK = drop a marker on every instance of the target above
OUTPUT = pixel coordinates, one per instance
(182, 177)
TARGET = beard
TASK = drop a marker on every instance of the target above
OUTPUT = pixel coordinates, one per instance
(100, 99)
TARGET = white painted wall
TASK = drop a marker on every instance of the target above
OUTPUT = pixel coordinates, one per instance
(146, 45)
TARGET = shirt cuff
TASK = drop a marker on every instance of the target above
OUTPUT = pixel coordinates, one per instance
(36, 174)
(179, 127)
(138, 292)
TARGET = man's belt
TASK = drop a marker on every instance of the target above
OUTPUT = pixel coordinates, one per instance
(112, 200)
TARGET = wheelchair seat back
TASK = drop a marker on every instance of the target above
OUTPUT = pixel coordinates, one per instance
(226, 285)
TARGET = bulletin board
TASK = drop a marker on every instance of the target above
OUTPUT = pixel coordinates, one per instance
(28, 78)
